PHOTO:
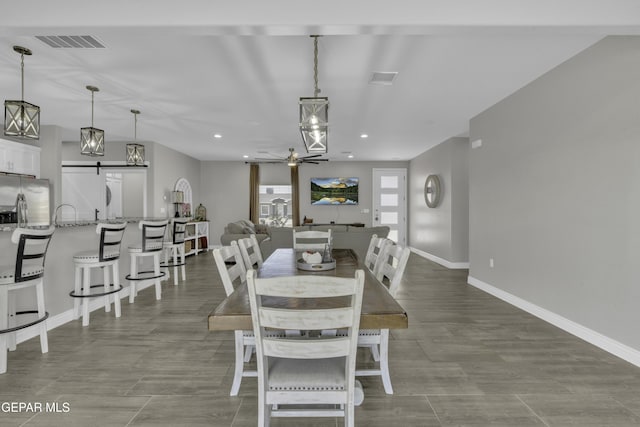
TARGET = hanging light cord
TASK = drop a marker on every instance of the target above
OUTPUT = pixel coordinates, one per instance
(135, 126)
(92, 92)
(22, 74)
(315, 66)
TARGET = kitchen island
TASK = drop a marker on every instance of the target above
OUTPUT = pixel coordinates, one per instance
(68, 239)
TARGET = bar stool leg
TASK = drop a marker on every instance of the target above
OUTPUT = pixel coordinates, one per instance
(11, 337)
(86, 290)
(4, 324)
(116, 285)
(44, 342)
(107, 288)
(184, 270)
(174, 252)
(156, 270)
(166, 254)
(78, 285)
(133, 273)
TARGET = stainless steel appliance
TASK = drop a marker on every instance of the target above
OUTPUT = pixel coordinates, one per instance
(24, 201)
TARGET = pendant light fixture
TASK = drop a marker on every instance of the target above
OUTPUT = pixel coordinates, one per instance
(135, 152)
(21, 118)
(314, 117)
(92, 139)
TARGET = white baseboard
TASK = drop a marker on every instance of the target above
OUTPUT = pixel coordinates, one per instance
(609, 345)
(64, 317)
(441, 261)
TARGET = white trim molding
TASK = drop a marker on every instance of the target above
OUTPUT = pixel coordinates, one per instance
(607, 344)
(441, 261)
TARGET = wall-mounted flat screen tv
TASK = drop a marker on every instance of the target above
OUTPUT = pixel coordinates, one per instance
(334, 191)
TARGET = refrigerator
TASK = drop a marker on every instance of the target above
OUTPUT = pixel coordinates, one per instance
(29, 196)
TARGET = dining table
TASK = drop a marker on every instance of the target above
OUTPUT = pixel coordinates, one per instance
(379, 309)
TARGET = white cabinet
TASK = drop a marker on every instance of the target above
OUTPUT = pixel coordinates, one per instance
(197, 237)
(19, 158)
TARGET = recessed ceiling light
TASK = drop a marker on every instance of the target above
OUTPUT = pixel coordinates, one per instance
(245, 156)
(364, 135)
(350, 156)
(217, 135)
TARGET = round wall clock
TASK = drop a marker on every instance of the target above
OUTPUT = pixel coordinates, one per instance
(432, 191)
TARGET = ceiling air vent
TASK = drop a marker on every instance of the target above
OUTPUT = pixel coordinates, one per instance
(72, 42)
(382, 77)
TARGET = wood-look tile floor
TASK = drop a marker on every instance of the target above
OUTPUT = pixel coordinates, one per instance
(467, 359)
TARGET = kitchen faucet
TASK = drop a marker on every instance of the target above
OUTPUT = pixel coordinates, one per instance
(55, 214)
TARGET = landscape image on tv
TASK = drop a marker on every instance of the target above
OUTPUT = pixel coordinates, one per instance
(334, 191)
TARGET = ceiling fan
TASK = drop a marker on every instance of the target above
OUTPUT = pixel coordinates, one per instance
(293, 159)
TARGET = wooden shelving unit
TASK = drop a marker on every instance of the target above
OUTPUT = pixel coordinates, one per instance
(197, 237)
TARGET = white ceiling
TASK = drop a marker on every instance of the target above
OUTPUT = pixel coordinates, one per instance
(237, 68)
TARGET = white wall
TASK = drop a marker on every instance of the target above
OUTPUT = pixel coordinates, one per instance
(555, 191)
(441, 232)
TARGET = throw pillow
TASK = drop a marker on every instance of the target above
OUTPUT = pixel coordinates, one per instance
(235, 228)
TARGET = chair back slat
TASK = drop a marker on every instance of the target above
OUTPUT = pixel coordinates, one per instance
(153, 235)
(311, 240)
(392, 265)
(307, 286)
(250, 250)
(31, 253)
(333, 318)
(230, 266)
(110, 239)
(307, 349)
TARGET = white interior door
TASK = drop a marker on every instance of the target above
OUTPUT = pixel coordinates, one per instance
(390, 202)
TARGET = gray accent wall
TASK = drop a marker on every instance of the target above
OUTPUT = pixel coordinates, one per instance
(443, 231)
(555, 191)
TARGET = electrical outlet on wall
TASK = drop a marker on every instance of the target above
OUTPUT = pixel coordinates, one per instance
(491, 262)
(364, 211)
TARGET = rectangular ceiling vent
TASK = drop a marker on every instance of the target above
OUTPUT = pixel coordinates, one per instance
(382, 77)
(72, 42)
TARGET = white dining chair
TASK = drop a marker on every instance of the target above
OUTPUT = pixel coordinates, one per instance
(311, 240)
(390, 268)
(376, 246)
(304, 372)
(250, 250)
(233, 274)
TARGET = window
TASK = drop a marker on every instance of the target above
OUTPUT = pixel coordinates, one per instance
(275, 205)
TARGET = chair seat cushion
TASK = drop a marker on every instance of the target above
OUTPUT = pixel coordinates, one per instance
(7, 273)
(93, 256)
(307, 374)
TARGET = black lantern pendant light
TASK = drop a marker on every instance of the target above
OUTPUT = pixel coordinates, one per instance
(92, 139)
(314, 114)
(135, 151)
(21, 118)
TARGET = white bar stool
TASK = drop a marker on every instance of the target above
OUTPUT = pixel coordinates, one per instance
(28, 271)
(107, 255)
(151, 246)
(174, 248)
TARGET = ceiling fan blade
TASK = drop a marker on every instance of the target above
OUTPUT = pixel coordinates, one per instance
(311, 156)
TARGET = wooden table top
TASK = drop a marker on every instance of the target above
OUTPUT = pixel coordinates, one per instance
(379, 309)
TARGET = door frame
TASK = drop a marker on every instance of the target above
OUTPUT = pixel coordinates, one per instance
(403, 185)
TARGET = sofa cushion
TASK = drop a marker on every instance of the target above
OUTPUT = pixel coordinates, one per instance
(235, 228)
